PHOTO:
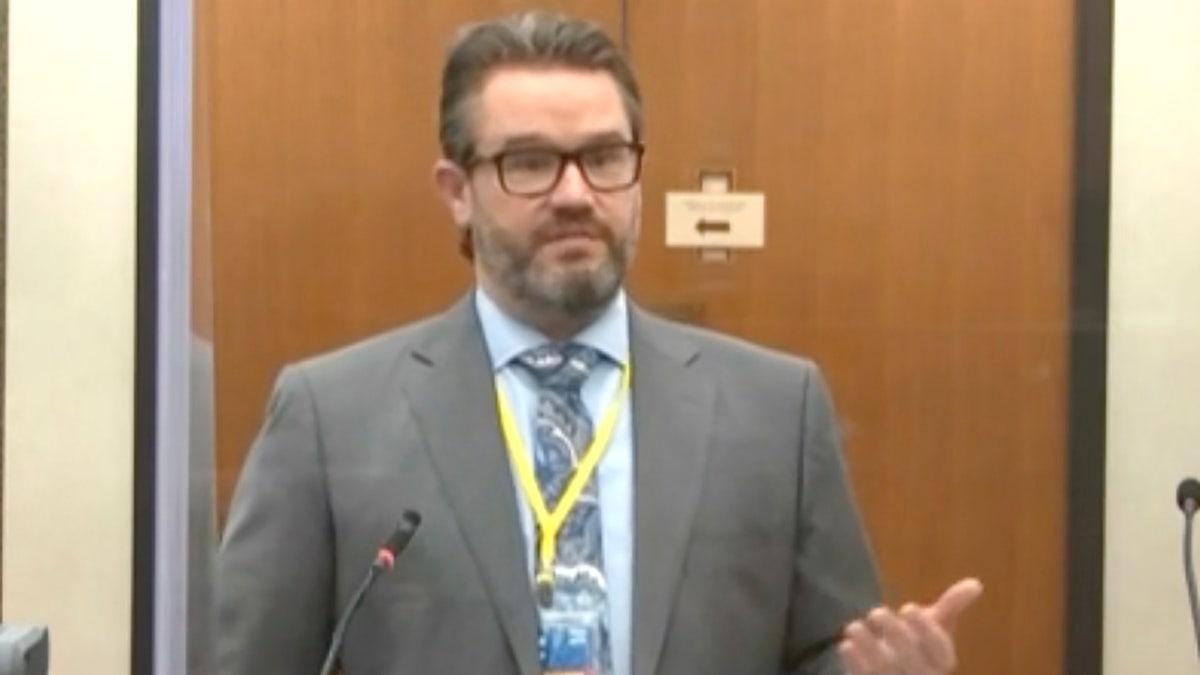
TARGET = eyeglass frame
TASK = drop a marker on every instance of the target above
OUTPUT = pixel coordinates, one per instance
(564, 157)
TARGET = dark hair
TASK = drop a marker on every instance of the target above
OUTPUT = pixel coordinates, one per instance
(529, 38)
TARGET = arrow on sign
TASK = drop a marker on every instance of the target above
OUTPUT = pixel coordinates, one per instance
(706, 226)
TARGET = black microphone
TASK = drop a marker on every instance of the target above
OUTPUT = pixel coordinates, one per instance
(1187, 496)
(385, 558)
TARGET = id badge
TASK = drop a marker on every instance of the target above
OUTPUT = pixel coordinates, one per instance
(570, 643)
(574, 631)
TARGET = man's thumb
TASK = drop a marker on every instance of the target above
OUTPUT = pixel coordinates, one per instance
(957, 598)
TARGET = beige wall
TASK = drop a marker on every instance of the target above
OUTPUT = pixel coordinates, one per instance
(1154, 349)
(69, 343)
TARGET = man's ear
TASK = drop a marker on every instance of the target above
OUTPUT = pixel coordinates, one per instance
(451, 183)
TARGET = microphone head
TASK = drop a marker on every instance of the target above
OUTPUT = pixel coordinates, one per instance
(410, 518)
(1187, 495)
(385, 557)
(409, 522)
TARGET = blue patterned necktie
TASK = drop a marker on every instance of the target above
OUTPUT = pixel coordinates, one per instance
(562, 434)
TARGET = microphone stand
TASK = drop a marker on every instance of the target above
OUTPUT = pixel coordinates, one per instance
(1189, 569)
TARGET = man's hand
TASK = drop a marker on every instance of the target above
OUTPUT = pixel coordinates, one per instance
(916, 640)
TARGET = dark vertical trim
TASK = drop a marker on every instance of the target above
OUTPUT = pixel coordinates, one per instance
(146, 342)
(1089, 338)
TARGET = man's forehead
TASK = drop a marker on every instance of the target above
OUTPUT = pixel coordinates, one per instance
(559, 103)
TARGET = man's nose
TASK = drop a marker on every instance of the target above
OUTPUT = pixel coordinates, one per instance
(572, 187)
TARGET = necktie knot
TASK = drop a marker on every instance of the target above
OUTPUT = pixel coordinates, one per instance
(560, 367)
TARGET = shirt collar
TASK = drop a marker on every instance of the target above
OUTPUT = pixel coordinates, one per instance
(507, 338)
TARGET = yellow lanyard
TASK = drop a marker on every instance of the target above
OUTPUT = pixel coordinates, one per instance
(550, 522)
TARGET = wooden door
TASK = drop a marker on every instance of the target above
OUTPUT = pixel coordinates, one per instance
(915, 158)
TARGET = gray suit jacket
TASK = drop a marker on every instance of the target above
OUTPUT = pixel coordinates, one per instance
(749, 557)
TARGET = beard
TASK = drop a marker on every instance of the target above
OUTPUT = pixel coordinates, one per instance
(559, 287)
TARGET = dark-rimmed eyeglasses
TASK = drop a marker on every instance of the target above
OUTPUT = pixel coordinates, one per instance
(533, 172)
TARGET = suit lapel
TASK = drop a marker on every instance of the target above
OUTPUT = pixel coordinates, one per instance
(672, 408)
(456, 410)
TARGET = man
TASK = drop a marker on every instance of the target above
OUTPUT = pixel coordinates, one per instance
(602, 491)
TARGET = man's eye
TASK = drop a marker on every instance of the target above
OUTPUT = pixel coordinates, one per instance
(530, 161)
(602, 158)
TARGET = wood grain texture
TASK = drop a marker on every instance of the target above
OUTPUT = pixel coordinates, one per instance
(916, 162)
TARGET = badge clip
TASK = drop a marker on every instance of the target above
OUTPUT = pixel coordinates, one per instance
(545, 588)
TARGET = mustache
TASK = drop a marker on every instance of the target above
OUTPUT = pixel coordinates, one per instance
(574, 228)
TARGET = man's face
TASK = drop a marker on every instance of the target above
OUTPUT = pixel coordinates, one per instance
(553, 246)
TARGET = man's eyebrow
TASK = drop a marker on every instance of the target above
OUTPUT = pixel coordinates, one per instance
(525, 141)
(536, 140)
(605, 137)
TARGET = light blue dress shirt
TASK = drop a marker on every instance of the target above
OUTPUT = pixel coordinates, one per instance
(506, 338)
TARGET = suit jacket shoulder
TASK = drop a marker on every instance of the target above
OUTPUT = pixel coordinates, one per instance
(369, 356)
(729, 358)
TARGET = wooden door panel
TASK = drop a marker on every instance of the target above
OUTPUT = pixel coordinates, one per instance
(915, 158)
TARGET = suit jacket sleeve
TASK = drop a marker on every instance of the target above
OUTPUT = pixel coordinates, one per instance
(834, 578)
(275, 565)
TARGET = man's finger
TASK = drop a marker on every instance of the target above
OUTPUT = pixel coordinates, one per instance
(935, 643)
(852, 661)
(871, 651)
(901, 639)
(956, 599)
